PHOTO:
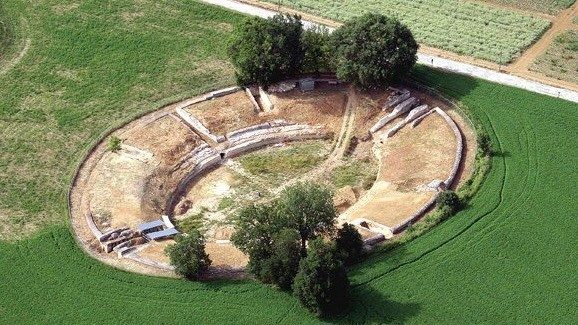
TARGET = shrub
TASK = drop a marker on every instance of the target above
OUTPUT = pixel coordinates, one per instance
(349, 244)
(484, 144)
(283, 264)
(387, 52)
(316, 50)
(188, 255)
(321, 284)
(264, 51)
(114, 143)
(449, 200)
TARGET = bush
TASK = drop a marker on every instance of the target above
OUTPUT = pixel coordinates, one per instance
(321, 284)
(449, 200)
(387, 52)
(316, 50)
(283, 264)
(114, 143)
(188, 255)
(485, 144)
(264, 51)
(349, 244)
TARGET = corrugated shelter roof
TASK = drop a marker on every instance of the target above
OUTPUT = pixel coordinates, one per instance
(162, 234)
(150, 225)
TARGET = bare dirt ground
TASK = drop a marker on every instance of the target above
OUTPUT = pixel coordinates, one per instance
(227, 113)
(409, 160)
(124, 184)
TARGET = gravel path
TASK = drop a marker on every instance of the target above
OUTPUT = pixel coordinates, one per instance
(434, 61)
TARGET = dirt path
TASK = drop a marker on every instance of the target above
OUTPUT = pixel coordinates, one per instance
(561, 23)
(433, 57)
(341, 144)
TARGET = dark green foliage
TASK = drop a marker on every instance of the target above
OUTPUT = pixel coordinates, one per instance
(255, 227)
(188, 255)
(349, 244)
(321, 284)
(113, 143)
(264, 51)
(316, 51)
(309, 209)
(281, 267)
(449, 200)
(305, 208)
(484, 144)
(373, 50)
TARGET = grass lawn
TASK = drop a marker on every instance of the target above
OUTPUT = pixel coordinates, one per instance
(546, 6)
(561, 58)
(463, 27)
(510, 257)
(90, 67)
(277, 164)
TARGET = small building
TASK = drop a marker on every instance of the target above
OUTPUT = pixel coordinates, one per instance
(307, 84)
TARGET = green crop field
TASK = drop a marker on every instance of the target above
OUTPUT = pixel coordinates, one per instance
(560, 60)
(467, 28)
(510, 257)
(546, 6)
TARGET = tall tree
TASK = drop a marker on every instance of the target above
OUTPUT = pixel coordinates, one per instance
(349, 244)
(373, 50)
(188, 255)
(321, 284)
(316, 50)
(264, 51)
(309, 209)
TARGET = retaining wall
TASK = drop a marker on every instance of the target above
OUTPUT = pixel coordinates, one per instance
(397, 111)
(448, 182)
(198, 126)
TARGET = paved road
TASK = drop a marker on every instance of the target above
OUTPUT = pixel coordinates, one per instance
(434, 61)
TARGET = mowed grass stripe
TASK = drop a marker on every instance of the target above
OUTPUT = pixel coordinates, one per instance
(509, 257)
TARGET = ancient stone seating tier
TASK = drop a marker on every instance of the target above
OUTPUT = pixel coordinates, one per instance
(449, 181)
(399, 109)
(412, 115)
(398, 96)
(198, 127)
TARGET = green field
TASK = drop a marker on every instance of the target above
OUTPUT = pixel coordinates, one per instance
(560, 60)
(546, 6)
(510, 257)
(90, 67)
(467, 28)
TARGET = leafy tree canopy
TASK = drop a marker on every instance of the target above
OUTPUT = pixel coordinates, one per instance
(264, 51)
(188, 255)
(321, 284)
(373, 50)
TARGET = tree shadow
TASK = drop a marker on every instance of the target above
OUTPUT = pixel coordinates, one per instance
(501, 153)
(370, 305)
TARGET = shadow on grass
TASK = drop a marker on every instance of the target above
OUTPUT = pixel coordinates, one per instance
(369, 305)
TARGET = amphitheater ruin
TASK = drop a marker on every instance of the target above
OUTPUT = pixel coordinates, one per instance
(185, 165)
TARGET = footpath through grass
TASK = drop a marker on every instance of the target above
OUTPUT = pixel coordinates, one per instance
(509, 258)
(463, 27)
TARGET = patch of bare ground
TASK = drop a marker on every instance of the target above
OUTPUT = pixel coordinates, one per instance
(324, 106)
(128, 187)
(409, 160)
(227, 113)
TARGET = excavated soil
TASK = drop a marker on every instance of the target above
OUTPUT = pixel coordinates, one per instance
(129, 187)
